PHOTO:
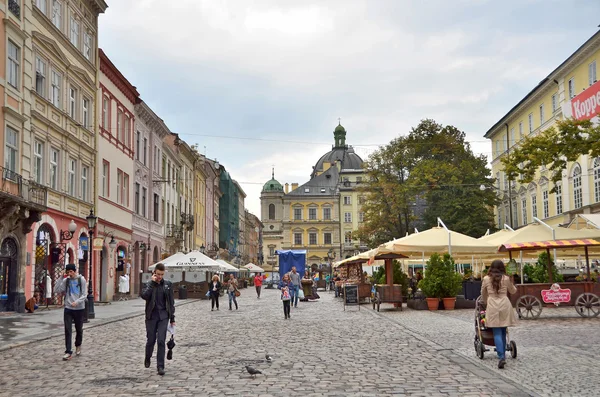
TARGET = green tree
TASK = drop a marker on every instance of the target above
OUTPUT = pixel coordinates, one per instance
(554, 148)
(435, 163)
(399, 276)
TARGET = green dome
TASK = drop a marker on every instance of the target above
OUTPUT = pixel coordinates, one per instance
(339, 128)
(272, 186)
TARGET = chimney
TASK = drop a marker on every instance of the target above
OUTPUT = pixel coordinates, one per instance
(286, 188)
(294, 186)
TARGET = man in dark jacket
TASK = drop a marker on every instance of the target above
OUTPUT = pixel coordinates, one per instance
(160, 309)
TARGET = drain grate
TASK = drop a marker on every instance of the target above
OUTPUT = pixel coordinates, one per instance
(115, 381)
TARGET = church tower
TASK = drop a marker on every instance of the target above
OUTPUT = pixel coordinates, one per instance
(271, 208)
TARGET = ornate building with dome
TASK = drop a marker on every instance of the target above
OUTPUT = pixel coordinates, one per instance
(320, 215)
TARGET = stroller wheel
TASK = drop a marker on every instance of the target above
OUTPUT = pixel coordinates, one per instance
(513, 349)
(480, 350)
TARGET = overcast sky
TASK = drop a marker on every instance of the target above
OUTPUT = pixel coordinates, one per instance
(262, 83)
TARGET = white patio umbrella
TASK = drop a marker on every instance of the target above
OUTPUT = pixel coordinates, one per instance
(171, 259)
(254, 268)
(192, 261)
(226, 267)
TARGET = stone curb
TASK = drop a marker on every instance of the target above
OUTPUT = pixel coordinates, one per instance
(61, 333)
(503, 383)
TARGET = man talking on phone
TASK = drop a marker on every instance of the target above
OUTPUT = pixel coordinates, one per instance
(160, 310)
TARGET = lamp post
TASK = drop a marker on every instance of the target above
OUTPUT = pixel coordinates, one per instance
(330, 256)
(91, 220)
(510, 212)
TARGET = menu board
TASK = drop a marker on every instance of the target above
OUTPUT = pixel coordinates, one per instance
(351, 295)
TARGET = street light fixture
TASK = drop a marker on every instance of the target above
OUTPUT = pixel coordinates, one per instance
(113, 243)
(91, 220)
(68, 234)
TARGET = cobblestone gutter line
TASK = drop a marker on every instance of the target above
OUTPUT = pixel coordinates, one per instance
(61, 333)
(503, 383)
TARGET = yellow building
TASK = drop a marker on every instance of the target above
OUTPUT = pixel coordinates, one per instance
(561, 94)
(200, 202)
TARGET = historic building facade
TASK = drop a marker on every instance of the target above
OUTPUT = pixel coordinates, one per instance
(321, 215)
(115, 174)
(172, 163)
(63, 60)
(213, 195)
(148, 238)
(561, 94)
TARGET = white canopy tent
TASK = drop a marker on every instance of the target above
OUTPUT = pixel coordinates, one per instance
(226, 267)
(254, 268)
(192, 261)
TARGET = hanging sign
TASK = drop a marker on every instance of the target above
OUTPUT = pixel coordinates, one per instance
(98, 243)
(84, 243)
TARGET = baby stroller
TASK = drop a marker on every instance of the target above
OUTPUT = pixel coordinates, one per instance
(484, 336)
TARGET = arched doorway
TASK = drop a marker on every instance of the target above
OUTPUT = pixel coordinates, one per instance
(9, 253)
(121, 266)
(44, 269)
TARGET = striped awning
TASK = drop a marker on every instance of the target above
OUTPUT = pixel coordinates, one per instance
(549, 244)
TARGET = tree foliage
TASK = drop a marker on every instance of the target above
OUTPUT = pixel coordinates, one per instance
(554, 148)
(433, 163)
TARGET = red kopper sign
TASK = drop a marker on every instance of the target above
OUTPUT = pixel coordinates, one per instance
(556, 295)
(587, 104)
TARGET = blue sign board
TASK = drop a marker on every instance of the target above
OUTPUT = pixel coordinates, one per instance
(83, 243)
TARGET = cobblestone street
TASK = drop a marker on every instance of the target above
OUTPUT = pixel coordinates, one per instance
(322, 350)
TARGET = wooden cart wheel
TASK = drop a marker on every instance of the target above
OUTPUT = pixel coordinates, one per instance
(529, 307)
(480, 350)
(588, 305)
(513, 349)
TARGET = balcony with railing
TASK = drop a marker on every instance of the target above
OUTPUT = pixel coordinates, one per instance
(15, 7)
(174, 232)
(187, 221)
(27, 193)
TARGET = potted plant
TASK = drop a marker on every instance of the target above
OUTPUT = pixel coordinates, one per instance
(431, 285)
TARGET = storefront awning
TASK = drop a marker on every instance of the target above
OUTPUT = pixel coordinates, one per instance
(550, 244)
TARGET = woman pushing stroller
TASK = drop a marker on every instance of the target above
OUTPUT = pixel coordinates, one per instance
(499, 312)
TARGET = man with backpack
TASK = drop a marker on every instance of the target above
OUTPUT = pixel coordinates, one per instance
(73, 287)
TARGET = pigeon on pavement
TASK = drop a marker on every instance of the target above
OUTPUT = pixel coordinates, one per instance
(268, 358)
(252, 371)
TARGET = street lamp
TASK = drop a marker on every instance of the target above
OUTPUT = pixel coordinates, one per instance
(330, 256)
(68, 234)
(91, 220)
(113, 243)
(510, 212)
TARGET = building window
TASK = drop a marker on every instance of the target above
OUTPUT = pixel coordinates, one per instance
(119, 125)
(348, 217)
(84, 183)
(137, 146)
(72, 102)
(542, 119)
(105, 178)
(498, 152)
(327, 238)
(105, 102)
(57, 13)
(577, 193)
(74, 32)
(559, 207)
(521, 130)
(545, 203)
(136, 198)
(127, 131)
(348, 238)
(146, 153)
(597, 179)
(512, 136)
(312, 238)
(312, 214)
(530, 119)
(271, 211)
(14, 64)
(297, 238)
(271, 251)
(72, 170)
(297, 214)
(524, 210)
(534, 206)
(347, 200)
(156, 208)
(554, 103)
(41, 4)
(56, 82)
(54, 168)
(361, 217)
(327, 214)
(85, 118)
(119, 184)
(11, 153)
(125, 190)
(144, 204)
(572, 88)
(38, 162)
(592, 73)
(40, 76)
(87, 45)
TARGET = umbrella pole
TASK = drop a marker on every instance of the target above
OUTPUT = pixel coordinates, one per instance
(521, 258)
(549, 264)
(389, 272)
(587, 264)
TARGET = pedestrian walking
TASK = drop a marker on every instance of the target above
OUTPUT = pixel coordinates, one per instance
(295, 287)
(232, 291)
(160, 310)
(215, 290)
(285, 285)
(499, 312)
(73, 287)
(258, 281)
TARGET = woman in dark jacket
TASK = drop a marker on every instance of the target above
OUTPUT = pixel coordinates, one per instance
(215, 288)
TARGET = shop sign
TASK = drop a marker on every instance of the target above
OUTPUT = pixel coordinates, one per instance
(587, 104)
(98, 243)
(556, 295)
(83, 243)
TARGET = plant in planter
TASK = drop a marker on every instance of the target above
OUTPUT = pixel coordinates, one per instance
(441, 281)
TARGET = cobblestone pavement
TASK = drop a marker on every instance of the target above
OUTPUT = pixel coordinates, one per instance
(558, 353)
(321, 350)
